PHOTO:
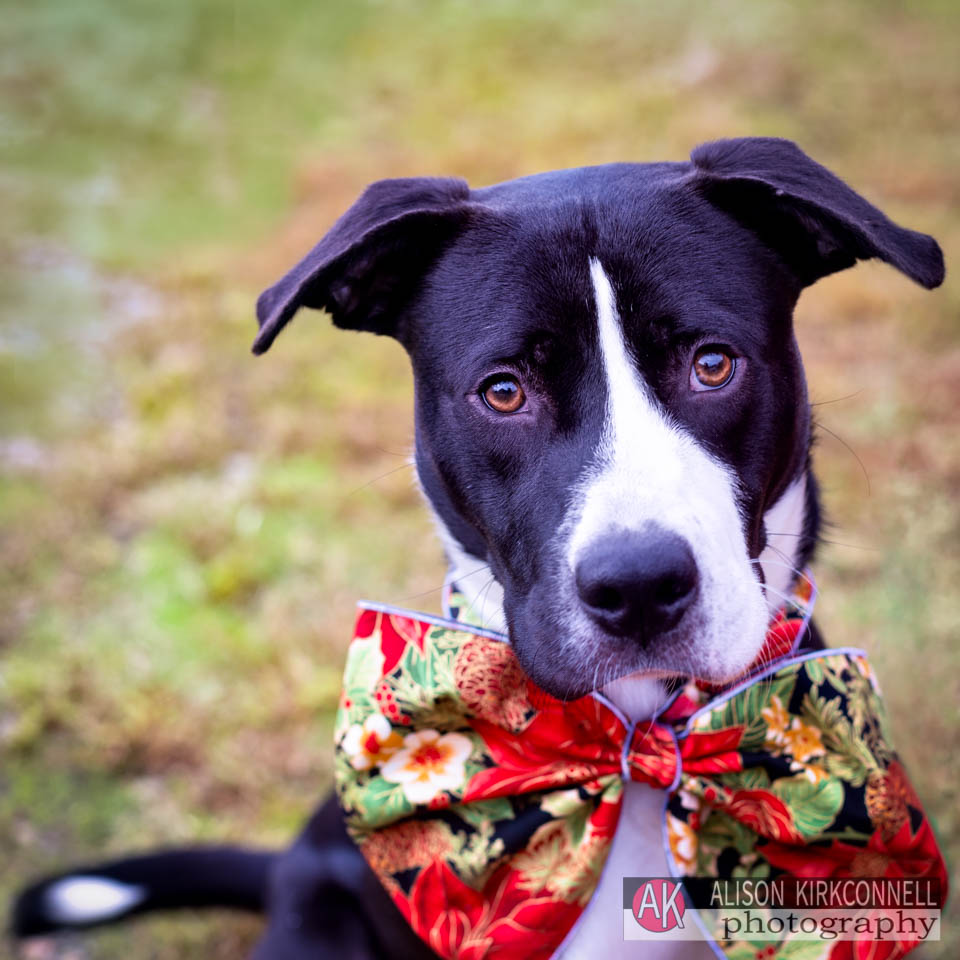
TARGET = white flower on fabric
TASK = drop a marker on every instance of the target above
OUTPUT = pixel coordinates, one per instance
(372, 743)
(428, 764)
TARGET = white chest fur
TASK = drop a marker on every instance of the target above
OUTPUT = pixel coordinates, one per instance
(637, 851)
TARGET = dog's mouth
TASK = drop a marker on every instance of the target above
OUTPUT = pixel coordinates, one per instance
(573, 681)
(609, 672)
(568, 654)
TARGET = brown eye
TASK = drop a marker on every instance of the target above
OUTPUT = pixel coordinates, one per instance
(712, 368)
(503, 393)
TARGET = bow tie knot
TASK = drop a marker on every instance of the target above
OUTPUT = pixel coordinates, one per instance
(651, 755)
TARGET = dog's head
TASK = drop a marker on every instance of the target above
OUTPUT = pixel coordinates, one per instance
(611, 412)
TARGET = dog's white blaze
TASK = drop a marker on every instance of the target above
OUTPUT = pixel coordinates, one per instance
(784, 523)
(648, 470)
(84, 899)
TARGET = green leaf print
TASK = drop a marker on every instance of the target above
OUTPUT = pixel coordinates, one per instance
(814, 807)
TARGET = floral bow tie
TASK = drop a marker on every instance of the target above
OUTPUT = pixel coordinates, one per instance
(488, 808)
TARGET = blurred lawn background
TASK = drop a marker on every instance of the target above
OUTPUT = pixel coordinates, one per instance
(185, 529)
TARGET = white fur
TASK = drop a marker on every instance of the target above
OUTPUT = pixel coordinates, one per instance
(473, 578)
(784, 523)
(648, 470)
(637, 851)
(84, 899)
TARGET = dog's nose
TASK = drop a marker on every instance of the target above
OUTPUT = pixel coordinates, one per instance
(637, 583)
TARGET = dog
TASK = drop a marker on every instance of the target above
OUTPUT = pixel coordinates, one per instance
(612, 423)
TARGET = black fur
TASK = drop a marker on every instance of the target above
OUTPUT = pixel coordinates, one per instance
(201, 877)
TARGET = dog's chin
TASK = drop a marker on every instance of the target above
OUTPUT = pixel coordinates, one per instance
(593, 665)
(563, 681)
(628, 684)
(570, 669)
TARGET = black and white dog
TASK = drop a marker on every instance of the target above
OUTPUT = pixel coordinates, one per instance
(611, 420)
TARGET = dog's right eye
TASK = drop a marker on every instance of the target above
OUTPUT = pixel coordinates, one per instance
(502, 393)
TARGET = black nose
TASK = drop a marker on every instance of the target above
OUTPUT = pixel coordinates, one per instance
(637, 583)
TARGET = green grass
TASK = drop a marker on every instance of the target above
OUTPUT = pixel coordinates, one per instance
(185, 530)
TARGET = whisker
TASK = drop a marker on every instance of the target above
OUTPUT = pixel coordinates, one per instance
(849, 396)
(370, 483)
(482, 600)
(779, 552)
(776, 593)
(776, 563)
(856, 456)
(605, 673)
(779, 563)
(836, 543)
(393, 453)
(454, 575)
(786, 559)
(426, 593)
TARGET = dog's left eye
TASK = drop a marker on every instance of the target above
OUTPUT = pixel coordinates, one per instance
(712, 368)
(503, 393)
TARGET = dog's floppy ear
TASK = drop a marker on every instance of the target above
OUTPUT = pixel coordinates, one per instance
(811, 217)
(363, 270)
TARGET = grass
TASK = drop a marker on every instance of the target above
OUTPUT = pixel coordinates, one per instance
(185, 530)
